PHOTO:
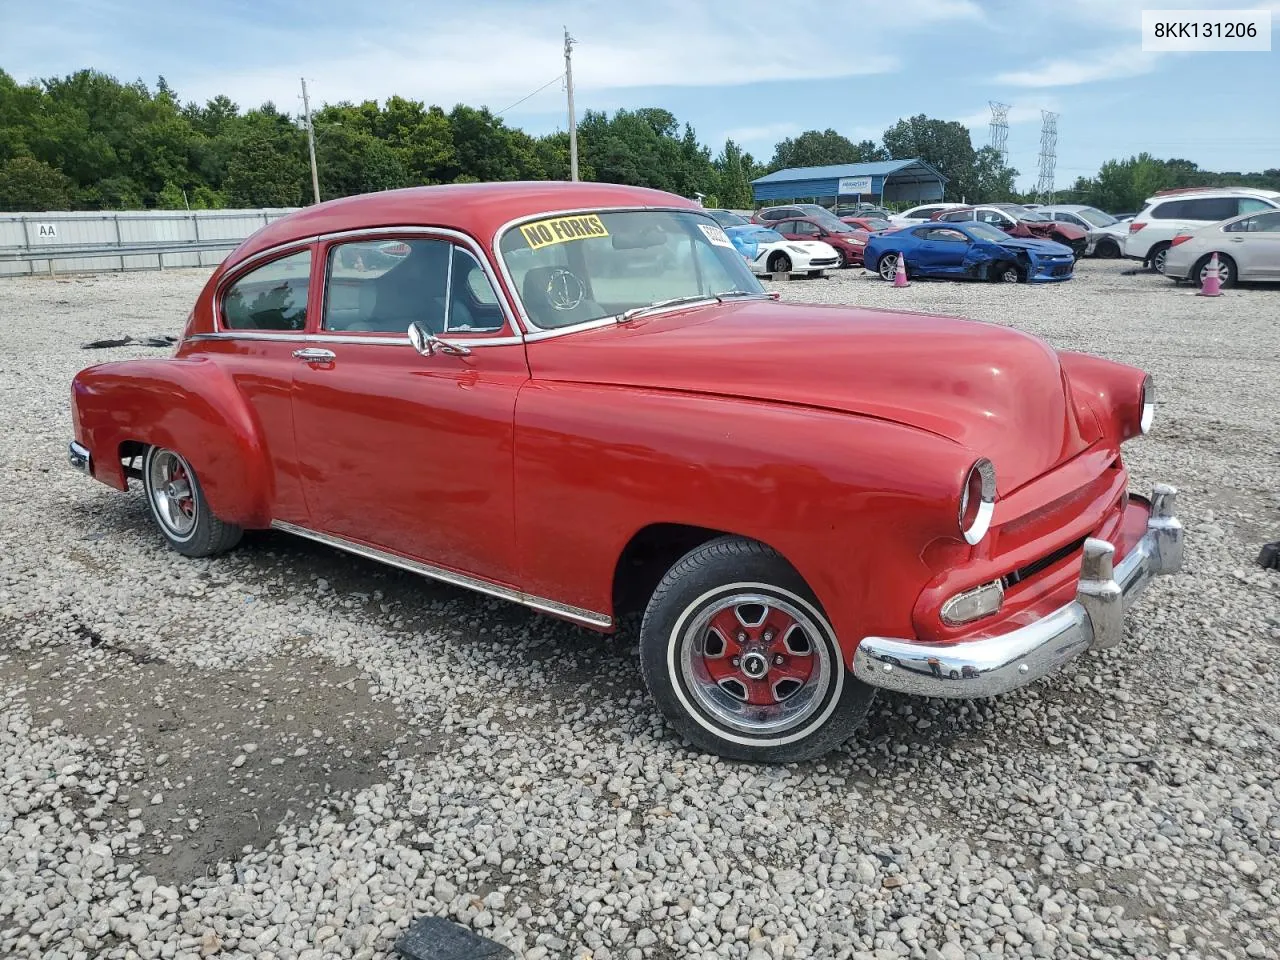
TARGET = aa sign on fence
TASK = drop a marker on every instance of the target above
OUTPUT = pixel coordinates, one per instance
(47, 231)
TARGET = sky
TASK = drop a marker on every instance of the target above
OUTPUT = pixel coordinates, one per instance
(755, 71)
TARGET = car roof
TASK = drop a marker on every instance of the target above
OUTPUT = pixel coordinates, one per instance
(1192, 193)
(478, 209)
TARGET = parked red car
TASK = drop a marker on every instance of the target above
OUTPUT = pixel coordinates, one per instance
(1018, 221)
(848, 242)
(577, 397)
(871, 224)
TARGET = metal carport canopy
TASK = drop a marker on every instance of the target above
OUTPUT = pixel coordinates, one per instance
(888, 179)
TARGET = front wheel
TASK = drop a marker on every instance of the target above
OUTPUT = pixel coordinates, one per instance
(1006, 273)
(779, 263)
(179, 507)
(743, 662)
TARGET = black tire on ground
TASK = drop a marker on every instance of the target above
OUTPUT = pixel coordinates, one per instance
(1006, 272)
(1156, 255)
(1107, 250)
(842, 261)
(779, 263)
(753, 710)
(1226, 271)
(179, 507)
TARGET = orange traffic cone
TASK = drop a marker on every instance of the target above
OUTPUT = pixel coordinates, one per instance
(1212, 286)
(900, 275)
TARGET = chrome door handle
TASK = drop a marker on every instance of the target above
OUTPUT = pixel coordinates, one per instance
(315, 355)
(1237, 239)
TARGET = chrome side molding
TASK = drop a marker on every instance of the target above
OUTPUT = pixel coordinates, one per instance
(587, 618)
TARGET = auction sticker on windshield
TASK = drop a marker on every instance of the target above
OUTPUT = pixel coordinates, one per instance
(715, 235)
(544, 233)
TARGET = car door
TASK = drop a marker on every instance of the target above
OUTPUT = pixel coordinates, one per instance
(1254, 244)
(941, 249)
(260, 319)
(407, 453)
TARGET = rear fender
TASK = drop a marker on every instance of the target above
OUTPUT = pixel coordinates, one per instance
(187, 405)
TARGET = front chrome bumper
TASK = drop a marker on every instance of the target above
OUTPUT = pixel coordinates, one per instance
(994, 665)
(78, 456)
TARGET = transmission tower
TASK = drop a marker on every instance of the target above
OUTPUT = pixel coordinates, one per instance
(1000, 130)
(1048, 156)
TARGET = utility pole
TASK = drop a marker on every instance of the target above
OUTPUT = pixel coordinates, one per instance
(1000, 129)
(311, 141)
(1048, 156)
(573, 122)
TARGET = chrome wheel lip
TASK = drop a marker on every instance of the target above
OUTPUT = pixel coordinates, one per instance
(803, 710)
(168, 479)
(1009, 275)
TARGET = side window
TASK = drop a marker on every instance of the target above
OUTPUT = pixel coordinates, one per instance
(382, 286)
(1171, 210)
(925, 213)
(958, 216)
(948, 236)
(994, 217)
(1253, 205)
(1265, 223)
(473, 303)
(272, 297)
(805, 229)
(1213, 208)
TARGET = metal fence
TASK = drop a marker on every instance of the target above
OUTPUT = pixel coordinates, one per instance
(83, 241)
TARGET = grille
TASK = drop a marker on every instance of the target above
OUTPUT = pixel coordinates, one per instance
(1044, 563)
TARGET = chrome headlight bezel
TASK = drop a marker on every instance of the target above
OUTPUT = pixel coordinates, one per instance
(1147, 406)
(980, 479)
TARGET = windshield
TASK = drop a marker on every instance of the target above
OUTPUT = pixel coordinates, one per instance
(984, 231)
(1019, 212)
(827, 220)
(760, 235)
(1096, 218)
(571, 269)
(874, 225)
(727, 219)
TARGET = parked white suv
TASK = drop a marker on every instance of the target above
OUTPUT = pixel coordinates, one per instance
(1182, 211)
(922, 213)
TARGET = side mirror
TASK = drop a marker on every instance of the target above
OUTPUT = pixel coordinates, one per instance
(428, 344)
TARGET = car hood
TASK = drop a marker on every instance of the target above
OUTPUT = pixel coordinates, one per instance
(996, 391)
(1043, 247)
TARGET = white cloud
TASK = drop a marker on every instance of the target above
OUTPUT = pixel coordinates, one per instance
(1115, 64)
(1018, 114)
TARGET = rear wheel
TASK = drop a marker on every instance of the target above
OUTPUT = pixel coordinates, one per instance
(1107, 249)
(179, 507)
(1157, 256)
(888, 266)
(742, 661)
(1226, 270)
(779, 263)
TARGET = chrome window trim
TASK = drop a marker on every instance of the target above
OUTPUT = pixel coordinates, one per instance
(586, 617)
(376, 340)
(296, 246)
(532, 330)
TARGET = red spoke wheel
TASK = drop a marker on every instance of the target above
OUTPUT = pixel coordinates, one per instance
(741, 658)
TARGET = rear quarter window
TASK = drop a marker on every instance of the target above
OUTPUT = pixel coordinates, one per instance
(1209, 209)
(272, 297)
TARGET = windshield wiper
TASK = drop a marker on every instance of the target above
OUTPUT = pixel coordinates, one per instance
(694, 298)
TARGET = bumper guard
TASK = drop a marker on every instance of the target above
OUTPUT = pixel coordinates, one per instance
(994, 665)
(78, 456)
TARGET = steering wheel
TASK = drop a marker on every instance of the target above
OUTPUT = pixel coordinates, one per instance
(564, 290)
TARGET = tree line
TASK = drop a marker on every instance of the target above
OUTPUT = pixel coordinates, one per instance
(88, 142)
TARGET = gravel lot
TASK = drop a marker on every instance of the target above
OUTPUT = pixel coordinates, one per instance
(288, 752)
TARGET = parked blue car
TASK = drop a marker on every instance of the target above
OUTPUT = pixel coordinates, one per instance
(968, 249)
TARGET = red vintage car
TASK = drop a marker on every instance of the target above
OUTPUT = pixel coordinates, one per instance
(578, 398)
(1019, 221)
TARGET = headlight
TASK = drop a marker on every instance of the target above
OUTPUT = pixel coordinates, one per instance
(1148, 405)
(978, 501)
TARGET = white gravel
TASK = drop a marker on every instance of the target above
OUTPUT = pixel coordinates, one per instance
(288, 753)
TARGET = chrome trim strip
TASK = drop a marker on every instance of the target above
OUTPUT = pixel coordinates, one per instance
(529, 327)
(350, 339)
(586, 617)
(993, 665)
(78, 456)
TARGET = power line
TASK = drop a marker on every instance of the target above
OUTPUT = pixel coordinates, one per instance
(556, 78)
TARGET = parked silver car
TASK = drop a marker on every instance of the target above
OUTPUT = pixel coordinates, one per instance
(1106, 233)
(1248, 248)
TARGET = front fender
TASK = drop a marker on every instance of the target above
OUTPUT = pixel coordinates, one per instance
(857, 505)
(1109, 392)
(187, 405)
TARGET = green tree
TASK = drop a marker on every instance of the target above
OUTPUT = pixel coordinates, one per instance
(30, 184)
(733, 178)
(815, 148)
(943, 144)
